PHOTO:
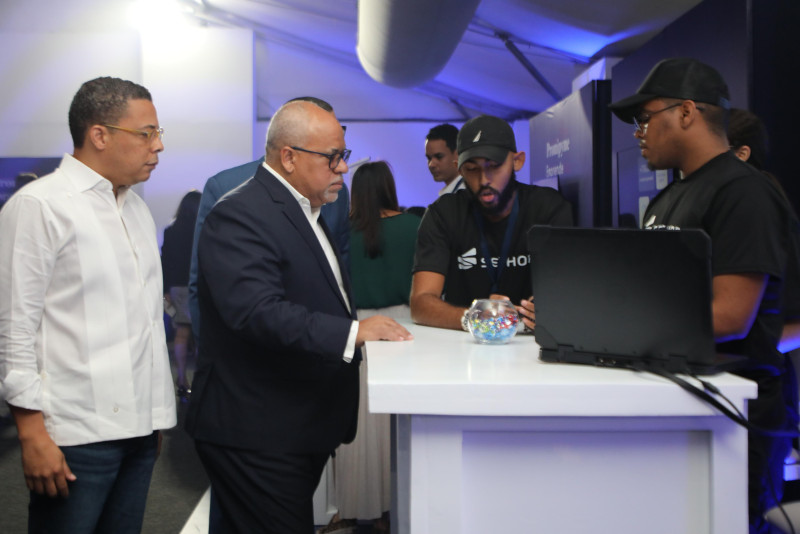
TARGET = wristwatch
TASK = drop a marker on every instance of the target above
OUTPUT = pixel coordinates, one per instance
(465, 321)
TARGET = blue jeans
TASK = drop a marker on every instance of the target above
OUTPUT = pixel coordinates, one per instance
(109, 494)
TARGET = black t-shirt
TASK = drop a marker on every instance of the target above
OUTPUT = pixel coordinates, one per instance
(749, 225)
(449, 243)
(791, 299)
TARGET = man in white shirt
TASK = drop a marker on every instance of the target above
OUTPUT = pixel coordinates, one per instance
(440, 151)
(83, 358)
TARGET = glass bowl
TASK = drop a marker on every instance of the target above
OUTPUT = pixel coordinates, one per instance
(492, 322)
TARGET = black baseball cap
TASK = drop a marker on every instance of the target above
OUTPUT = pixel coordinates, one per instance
(683, 78)
(487, 137)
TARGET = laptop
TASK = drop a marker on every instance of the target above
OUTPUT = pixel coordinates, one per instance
(638, 299)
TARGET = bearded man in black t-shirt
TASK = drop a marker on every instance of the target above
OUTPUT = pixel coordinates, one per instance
(680, 116)
(472, 243)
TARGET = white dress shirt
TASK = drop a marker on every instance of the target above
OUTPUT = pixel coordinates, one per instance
(81, 309)
(452, 187)
(312, 214)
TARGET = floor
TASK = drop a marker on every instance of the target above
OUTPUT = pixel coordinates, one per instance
(178, 500)
(198, 521)
(178, 483)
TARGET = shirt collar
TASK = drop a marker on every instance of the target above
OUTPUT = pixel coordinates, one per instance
(84, 178)
(305, 204)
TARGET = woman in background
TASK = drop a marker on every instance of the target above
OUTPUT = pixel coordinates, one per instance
(748, 139)
(382, 241)
(176, 256)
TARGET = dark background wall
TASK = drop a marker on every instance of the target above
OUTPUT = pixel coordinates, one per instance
(570, 151)
(774, 65)
(753, 44)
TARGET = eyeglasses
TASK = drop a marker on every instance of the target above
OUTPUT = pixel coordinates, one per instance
(148, 134)
(334, 158)
(640, 122)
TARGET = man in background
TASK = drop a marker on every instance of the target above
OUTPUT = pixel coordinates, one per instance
(440, 151)
(472, 243)
(680, 113)
(83, 363)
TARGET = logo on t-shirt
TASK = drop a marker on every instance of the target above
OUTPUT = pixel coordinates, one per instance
(651, 225)
(468, 260)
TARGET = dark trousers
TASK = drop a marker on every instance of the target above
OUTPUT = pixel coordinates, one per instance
(261, 491)
(109, 494)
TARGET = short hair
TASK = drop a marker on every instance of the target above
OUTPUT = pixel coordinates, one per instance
(287, 123)
(372, 190)
(188, 207)
(716, 117)
(745, 128)
(101, 101)
(314, 100)
(447, 133)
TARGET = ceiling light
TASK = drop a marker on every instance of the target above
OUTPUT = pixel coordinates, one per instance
(156, 16)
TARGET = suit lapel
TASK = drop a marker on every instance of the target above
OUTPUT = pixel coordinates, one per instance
(342, 267)
(297, 218)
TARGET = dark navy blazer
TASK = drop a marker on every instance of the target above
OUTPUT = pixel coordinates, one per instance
(336, 215)
(270, 371)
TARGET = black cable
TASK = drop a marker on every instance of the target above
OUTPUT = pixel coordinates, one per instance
(778, 503)
(708, 386)
(732, 415)
(737, 417)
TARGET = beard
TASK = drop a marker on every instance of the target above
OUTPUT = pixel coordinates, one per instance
(503, 197)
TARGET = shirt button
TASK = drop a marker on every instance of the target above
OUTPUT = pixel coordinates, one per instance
(116, 409)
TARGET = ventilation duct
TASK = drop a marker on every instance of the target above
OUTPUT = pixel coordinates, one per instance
(404, 43)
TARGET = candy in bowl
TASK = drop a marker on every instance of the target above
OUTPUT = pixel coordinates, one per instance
(492, 321)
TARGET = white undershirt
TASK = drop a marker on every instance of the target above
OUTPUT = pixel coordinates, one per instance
(456, 185)
(312, 214)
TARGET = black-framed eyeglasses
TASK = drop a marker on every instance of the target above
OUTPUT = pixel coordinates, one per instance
(148, 134)
(334, 158)
(640, 122)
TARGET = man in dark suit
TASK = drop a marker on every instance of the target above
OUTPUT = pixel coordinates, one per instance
(276, 390)
(335, 214)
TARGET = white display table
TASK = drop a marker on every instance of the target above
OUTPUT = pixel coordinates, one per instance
(488, 439)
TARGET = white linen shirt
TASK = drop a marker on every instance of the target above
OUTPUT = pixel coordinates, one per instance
(81, 310)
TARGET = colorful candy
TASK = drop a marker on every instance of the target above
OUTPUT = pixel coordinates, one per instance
(493, 321)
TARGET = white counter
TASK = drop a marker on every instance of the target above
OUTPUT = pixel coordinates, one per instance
(490, 439)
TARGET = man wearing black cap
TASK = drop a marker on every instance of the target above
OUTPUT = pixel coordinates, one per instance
(471, 244)
(680, 114)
